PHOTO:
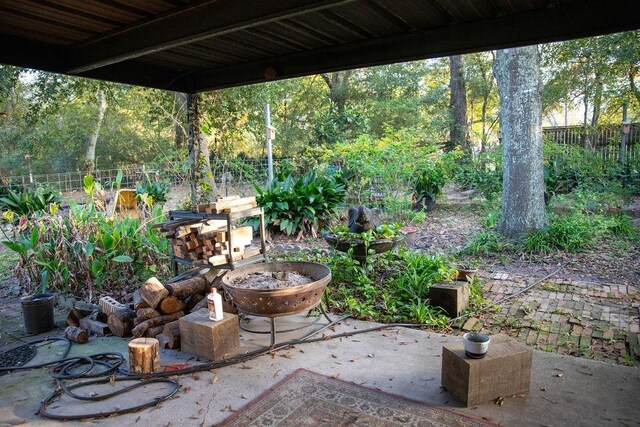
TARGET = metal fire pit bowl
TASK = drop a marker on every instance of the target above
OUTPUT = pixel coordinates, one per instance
(278, 302)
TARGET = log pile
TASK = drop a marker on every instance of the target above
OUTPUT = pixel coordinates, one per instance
(227, 205)
(208, 242)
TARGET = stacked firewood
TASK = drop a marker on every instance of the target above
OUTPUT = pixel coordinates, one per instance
(207, 242)
(157, 307)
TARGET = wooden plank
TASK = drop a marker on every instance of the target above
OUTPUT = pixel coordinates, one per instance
(240, 208)
(223, 205)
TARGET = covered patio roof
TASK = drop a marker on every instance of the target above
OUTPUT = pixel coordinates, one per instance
(193, 46)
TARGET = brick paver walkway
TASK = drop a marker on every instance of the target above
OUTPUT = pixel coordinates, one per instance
(599, 321)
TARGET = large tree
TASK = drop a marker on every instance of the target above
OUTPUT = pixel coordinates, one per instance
(517, 73)
(458, 135)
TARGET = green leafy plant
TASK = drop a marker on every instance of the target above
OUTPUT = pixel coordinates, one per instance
(429, 182)
(383, 231)
(157, 190)
(300, 204)
(84, 252)
(31, 201)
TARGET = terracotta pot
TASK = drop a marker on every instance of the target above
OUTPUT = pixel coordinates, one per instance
(410, 234)
(464, 273)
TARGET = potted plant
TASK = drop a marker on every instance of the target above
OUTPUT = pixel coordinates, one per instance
(427, 186)
(465, 271)
(381, 239)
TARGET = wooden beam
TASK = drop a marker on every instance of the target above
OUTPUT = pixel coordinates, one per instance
(566, 21)
(189, 24)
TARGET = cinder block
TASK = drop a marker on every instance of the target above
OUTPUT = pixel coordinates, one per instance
(203, 337)
(110, 305)
(504, 371)
(453, 297)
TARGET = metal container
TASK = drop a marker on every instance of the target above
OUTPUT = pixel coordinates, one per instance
(359, 248)
(278, 302)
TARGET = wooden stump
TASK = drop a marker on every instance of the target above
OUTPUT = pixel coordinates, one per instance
(171, 305)
(144, 355)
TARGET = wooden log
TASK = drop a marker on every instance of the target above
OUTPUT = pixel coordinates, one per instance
(170, 305)
(99, 316)
(76, 334)
(138, 302)
(144, 355)
(152, 292)
(184, 288)
(154, 332)
(172, 333)
(141, 328)
(121, 322)
(74, 316)
(163, 340)
(146, 314)
(95, 326)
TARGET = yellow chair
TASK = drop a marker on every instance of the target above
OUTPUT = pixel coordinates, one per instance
(126, 204)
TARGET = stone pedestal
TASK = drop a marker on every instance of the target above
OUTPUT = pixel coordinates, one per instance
(504, 371)
(212, 340)
(453, 297)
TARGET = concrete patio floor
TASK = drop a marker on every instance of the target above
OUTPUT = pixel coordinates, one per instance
(565, 390)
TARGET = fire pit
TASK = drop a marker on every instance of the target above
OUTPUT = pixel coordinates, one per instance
(275, 289)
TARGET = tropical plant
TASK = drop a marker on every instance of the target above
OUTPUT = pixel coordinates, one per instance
(30, 201)
(300, 204)
(429, 181)
(155, 189)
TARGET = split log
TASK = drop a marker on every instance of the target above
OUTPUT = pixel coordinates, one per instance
(172, 331)
(146, 314)
(95, 326)
(171, 305)
(76, 334)
(163, 340)
(154, 332)
(184, 288)
(99, 316)
(74, 316)
(144, 355)
(138, 302)
(141, 329)
(152, 292)
(121, 322)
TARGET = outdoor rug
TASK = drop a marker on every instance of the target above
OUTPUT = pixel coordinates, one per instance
(306, 398)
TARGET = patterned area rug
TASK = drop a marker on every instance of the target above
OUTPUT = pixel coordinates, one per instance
(308, 399)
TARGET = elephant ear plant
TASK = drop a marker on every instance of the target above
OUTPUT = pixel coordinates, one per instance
(427, 186)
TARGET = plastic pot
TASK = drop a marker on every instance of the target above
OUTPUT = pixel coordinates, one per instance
(37, 312)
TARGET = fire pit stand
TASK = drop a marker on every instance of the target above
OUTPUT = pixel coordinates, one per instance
(272, 303)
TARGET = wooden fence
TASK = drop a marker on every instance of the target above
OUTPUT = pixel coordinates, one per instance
(604, 140)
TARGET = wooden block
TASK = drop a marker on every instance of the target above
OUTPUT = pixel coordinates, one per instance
(121, 322)
(205, 338)
(218, 260)
(138, 302)
(453, 297)
(74, 316)
(95, 326)
(504, 371)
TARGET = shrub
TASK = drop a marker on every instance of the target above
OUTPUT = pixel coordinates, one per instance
(429, 181)
(29, 202)
(84, 251)
(155, 189)
(300, 204)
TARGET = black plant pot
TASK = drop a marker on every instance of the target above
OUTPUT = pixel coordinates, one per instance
(37, 312)
(425, 203)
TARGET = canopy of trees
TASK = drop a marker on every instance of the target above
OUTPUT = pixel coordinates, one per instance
(56, 119)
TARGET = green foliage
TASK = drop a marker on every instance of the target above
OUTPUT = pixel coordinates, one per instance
(429, 181)
(84, 251)
(486, 243)
(383, 231)
(483, 173)
(155, 189)
(29, 202)
(390, 287)
(300, 204)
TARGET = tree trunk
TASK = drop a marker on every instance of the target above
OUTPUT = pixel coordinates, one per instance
(179, 133)
(458, 134)
(597, 99)
(90, 156)
(517, 73)
(192, 112)
(338, 83)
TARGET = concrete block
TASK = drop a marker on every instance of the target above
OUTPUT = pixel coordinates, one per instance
(504, 371)
(203, 337)
(453, 297)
